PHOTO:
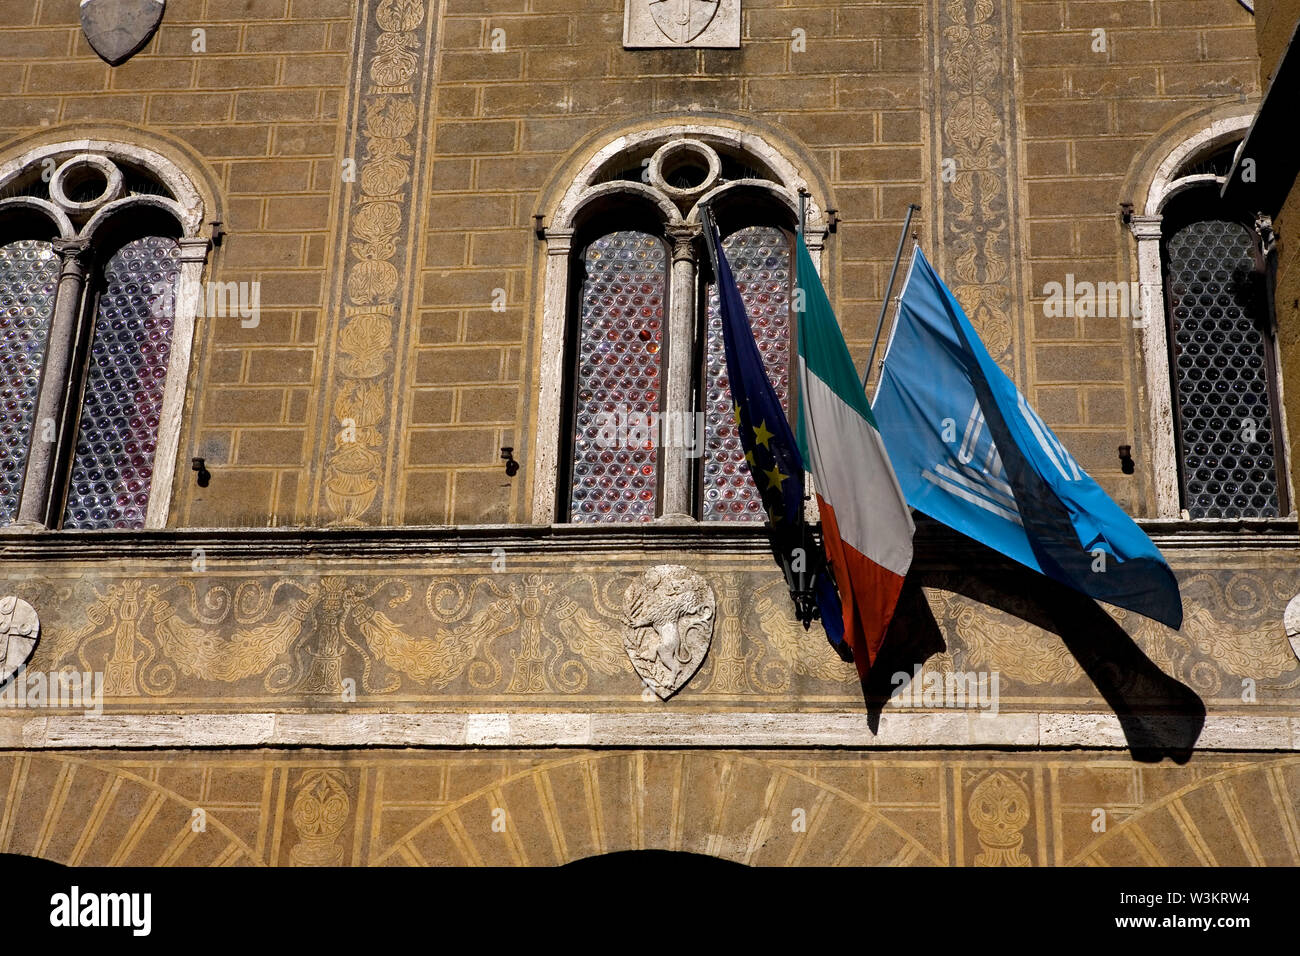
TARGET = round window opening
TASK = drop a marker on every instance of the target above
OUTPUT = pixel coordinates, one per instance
(684, 169)
(85, 184)
(685, 172)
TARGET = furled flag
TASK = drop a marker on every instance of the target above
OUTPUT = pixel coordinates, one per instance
(866, 527)
(770, 451)
(971, 453)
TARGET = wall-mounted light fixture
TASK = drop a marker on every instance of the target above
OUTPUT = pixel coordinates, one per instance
(508, 456)
(204, 476)
(1126, 459)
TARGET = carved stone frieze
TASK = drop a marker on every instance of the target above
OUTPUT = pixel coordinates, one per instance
(437, 632)
(681, 23)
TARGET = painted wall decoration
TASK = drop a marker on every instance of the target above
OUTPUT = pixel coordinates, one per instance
(359, 410)
(439, 633)
(764, 808)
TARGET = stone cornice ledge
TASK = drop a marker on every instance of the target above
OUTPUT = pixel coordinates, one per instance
(936, 545)
(1099, 731)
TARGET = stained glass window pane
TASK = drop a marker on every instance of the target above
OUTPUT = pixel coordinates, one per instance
(760, 261)
(620, 335)
(118, 435)
(29, 277)
(1221, 373)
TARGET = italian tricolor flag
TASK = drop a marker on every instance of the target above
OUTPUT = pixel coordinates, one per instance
(865, 520)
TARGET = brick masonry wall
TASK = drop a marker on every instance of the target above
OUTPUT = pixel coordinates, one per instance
(1092, 103)
(267, 109)
(262, 108)
(506, 120)
(1275, 22)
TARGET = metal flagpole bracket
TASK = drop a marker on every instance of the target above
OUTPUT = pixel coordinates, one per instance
(710, 230)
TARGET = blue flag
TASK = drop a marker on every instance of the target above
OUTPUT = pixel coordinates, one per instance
(771, 454)
(970, 453)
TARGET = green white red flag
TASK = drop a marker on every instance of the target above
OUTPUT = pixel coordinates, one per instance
(866, 525)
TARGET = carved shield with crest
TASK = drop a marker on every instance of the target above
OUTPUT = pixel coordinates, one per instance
(683, 20)
(20, 629)
(668, 617)
(118, 29)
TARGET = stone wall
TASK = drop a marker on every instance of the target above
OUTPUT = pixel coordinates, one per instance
(376, 165)
(529, 807)
(378, 293)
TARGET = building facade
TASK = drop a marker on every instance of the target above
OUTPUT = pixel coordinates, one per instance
(366, 425)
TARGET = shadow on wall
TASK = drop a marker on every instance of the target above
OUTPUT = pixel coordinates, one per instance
(1161, 717)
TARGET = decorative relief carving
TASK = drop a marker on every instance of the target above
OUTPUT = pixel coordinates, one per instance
(556, 631)
(681, 23)
(973, 137)
(669, 616)
(1291, 621)
(320, 811)
(20, 629)
(354, 465)
(118, 29)
(999, 808)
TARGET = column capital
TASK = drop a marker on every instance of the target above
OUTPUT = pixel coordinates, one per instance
(683, 236)
(194, 249)
(1146, 227)
(559, 242)
(71, 248)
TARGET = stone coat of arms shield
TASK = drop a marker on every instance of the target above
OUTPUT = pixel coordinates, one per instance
(118, 29)
(20, 629)
(683, 20)
(668, 617)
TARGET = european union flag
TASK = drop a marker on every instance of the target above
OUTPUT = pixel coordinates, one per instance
(970, 452)
(771, 453)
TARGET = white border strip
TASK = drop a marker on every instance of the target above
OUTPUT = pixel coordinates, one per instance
(641, 730)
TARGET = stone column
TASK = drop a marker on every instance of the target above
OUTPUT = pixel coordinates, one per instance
(678, 374)
(1155, 358)
(546, 449)
(189, 306)
(55, 412)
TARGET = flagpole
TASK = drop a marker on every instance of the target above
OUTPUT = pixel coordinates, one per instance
(801, 592)
(884, 306)
(706, 220)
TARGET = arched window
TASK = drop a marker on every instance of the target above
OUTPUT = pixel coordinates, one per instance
(761, 259)
(1209, 339)
(1221, 361)
(646, 427)
(98, 254)
(618, 365)
(29, 278)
